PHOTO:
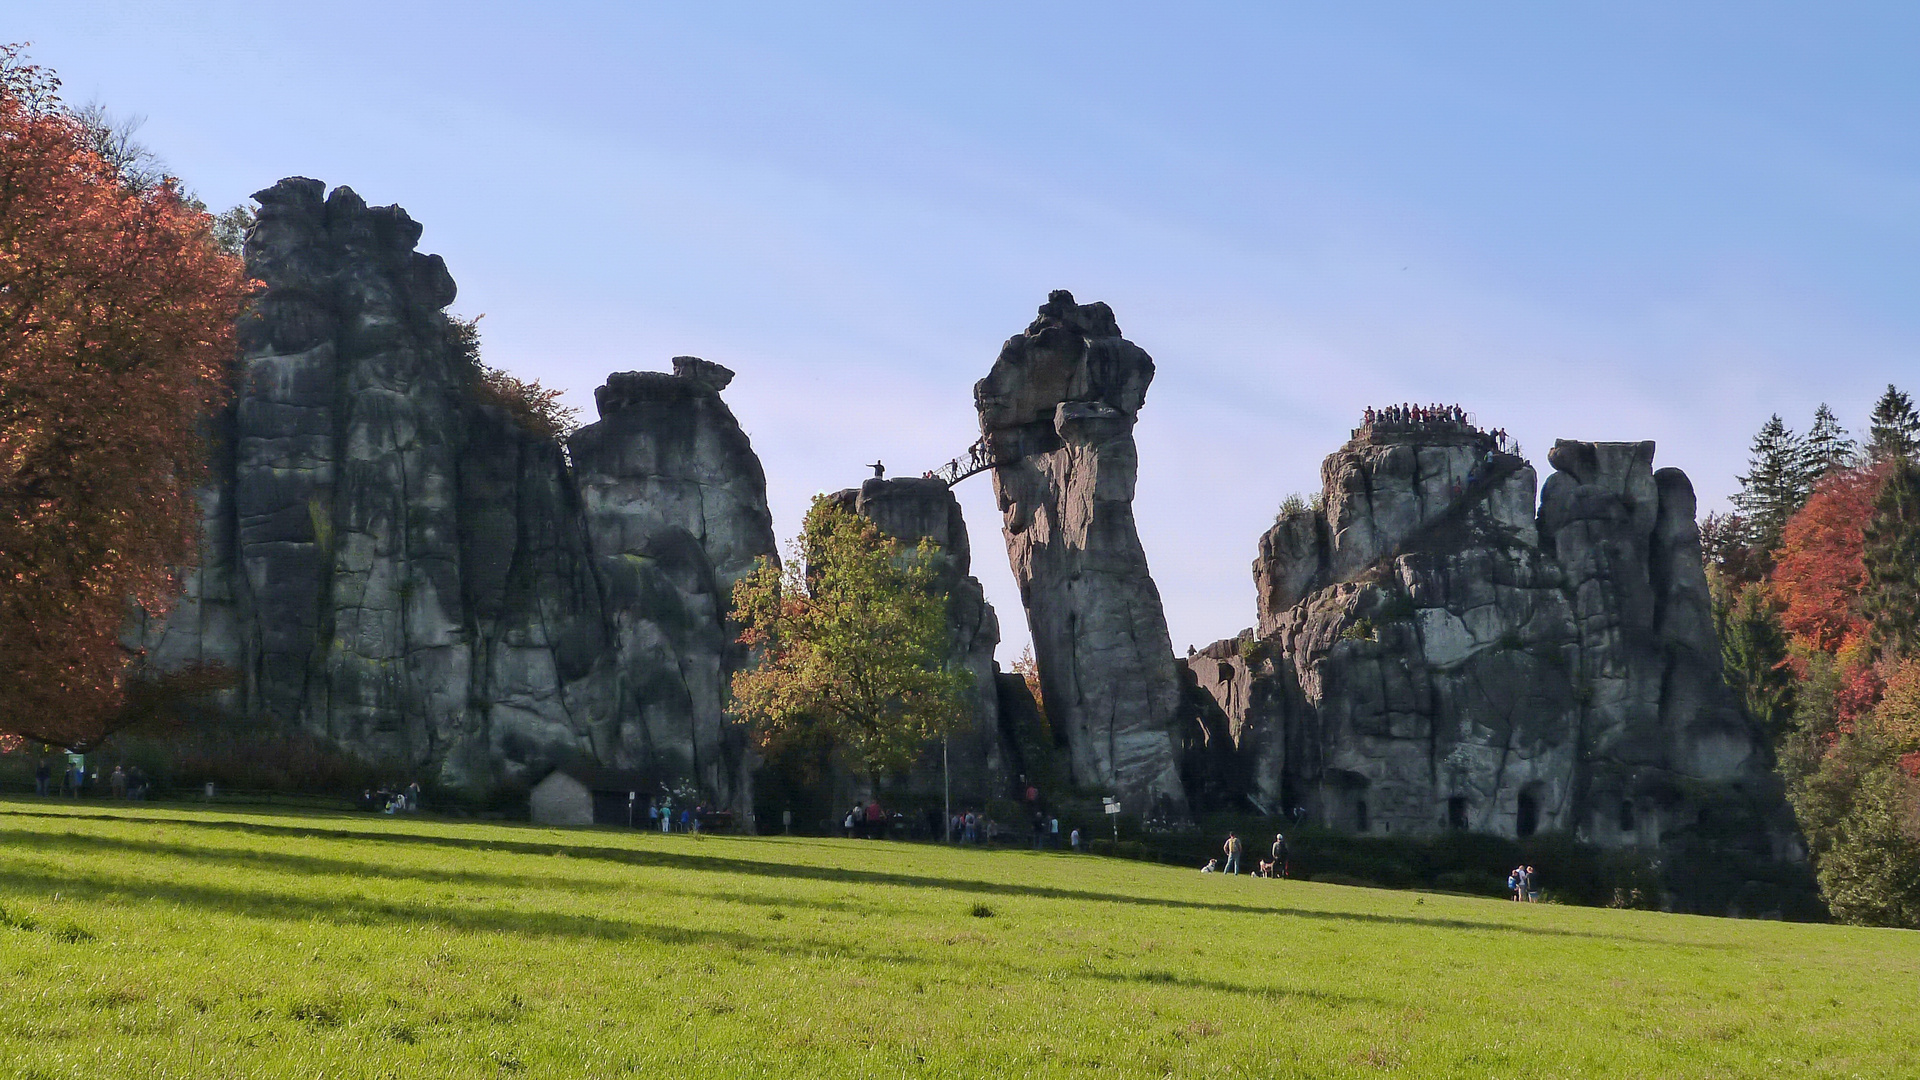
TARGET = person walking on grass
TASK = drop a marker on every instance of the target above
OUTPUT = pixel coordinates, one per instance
(42, 779)
(1232, 848)
(1280, 854)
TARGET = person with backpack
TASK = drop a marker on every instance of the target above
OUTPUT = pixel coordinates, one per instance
(1232, 848)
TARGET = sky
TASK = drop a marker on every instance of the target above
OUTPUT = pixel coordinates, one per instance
(1612, 221)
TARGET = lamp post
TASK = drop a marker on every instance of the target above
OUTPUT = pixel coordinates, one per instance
(946, 778)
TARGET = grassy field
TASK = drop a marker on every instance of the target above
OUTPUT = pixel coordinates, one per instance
(147, 941)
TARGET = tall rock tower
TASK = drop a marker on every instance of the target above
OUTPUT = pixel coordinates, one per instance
(910, 509)
(1057, 412)
(395, 563)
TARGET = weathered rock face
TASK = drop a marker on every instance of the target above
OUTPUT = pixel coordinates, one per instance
(1057, 412)
(1431, 655)
(410, 573)
(676, 512)
(909, 509)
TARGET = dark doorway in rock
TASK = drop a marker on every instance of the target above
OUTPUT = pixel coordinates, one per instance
(1360, 814)
(1457, 812)
(1626, 815)
(1527, 821)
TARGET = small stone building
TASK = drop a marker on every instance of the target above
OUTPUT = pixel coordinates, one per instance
(579, 796)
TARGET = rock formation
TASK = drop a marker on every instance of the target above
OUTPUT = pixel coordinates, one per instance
(909, 509)
(1432, 654)
(1057, 413)
(401, 568)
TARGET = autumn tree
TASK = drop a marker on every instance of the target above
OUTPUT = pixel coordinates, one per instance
(1819, 568)
(1894, 429)
(1776, 482)
(116, 316)
(850, 644)
(532, 406)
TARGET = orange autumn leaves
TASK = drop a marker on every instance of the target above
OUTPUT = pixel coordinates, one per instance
(1820, 568)
(116, 328)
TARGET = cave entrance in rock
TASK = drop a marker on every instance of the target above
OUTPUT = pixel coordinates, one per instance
(1526, 820)
(1457, 813)
(1347, 806)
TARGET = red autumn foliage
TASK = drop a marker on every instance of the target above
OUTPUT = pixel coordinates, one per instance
(1819, 570)
(1860, 690)
(116, 326)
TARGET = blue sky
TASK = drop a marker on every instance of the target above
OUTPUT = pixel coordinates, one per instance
(1601, 221)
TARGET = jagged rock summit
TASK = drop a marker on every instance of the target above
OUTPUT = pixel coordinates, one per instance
(395, 565)
(1057, 413)
(1433, 653)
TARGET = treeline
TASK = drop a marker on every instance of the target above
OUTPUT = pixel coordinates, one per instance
(1816, 583)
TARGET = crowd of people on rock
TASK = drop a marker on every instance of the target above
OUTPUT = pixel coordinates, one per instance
(1415, 415)
(1425, 416)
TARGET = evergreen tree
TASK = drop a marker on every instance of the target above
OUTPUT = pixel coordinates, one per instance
(1753, 648)
(1894, 427)
(1776, 483)
(1891, 599)
(1828, 446)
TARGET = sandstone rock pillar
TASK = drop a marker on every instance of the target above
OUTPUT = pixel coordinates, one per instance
(1057, 411)
(908, 509)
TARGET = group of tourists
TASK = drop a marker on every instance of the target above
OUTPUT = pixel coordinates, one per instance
(867, 822)
(1415, 415)
(1277, 866)
(74, 780)
(661, 815)
(392, 800)
(1521, 884)
(1425, 416)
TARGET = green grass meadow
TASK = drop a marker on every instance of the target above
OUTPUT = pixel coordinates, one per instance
(145, 941)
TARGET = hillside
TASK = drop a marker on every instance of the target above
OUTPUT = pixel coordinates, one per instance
(146, 941)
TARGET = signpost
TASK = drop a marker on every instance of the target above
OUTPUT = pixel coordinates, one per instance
(1112, 807)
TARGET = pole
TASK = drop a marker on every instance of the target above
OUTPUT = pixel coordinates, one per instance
(946, 776)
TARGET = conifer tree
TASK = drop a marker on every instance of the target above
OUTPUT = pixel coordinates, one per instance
(1894, 430)
(1891, 599)
(1829, 447)
(1776, 483)
(1753, 648)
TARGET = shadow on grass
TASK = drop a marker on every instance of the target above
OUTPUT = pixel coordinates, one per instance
(845, 875)
(356, 911)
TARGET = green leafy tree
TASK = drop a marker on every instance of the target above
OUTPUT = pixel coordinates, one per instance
(230, 228)
(1891, 598)
(1894, 429)
(1861, 815)
(1829, 448)
(1753, 649)
(1777, 481)
(850, 645)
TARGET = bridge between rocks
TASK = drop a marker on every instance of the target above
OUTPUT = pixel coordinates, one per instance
(978, 459)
